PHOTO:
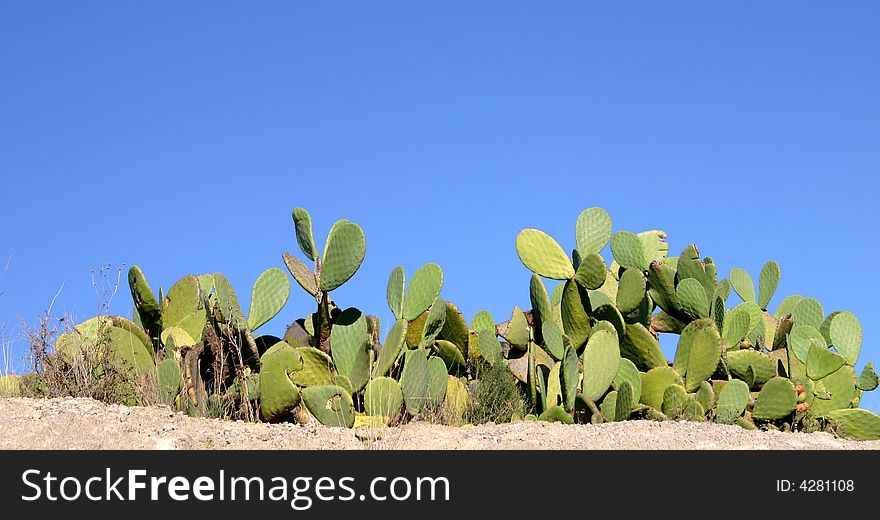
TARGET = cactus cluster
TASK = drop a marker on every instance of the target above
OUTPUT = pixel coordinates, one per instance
(587, 351)
(735, 363)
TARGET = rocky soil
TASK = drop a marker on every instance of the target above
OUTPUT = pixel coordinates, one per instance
(88, 424)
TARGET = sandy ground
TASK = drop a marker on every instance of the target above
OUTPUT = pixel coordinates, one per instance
(88, 424)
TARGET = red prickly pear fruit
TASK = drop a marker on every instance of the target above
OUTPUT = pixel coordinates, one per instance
(802, 407)
(800, 389)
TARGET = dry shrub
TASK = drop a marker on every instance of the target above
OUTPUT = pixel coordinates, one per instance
(86, 370)
(495, 396)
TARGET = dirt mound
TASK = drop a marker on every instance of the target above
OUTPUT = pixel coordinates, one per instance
(88, 424)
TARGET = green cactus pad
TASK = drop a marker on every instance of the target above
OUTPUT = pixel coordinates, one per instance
(490, 347)
(868, 380)
(556, 414)
(575, 321)
(569, 379)
(632, 290)
(717, 312)
(268, 297)
(776, 400)
(178, 337)
(553, 343)
(169, 380)
(675, 401)
(694, 411)
(342, 382)
(349, 347)
(601, 360)
(767, 283)
(591, 271)
(540, 300)
(655, 245)
(414, 380)
(640, 347)
(825, 329)
(705, 396)
(532, 383)
(395, 291)
(301, 273)
(655, 382)
(437, 381)
(278, 394)
(542, 255)
(517, 333)
(389, 352)
(855, 423)
(450, 354)
(554, 386)
(801, 338)
(704, 355)
(455, 328)
(787, 306)
(741, 361)
(809, 312)
(435, 321)
(736, 326)
(608, 407)
(556, 294)
(609, 287)
(743, 285)
(145, 303)
(343, 254)
(822, 362)
(302, 223)
(316, 368)
(624, 403)
(692, 298)
(846, 336)
(661, 288)
(732, 401)
(689, 265)
(481, 321)
(628, 373)
(629, 251)
(423, 289)
(331, 405)
(609, 312)
(722, 290)
(840, 387)
(593, 230)
(691, 332)
(456, 401)
(227, 302)
(415, 330)
(664, 322)
(182, 301)
(383, 397)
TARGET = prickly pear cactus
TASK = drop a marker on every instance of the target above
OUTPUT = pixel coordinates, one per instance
(383, 397)
(732, 401)
(777, 399)
(331, 405)
(855, 423)
(543, 256)
(278, 394)
(268, 297)
(601, 359)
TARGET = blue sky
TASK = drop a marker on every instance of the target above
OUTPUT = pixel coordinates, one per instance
(180, 137)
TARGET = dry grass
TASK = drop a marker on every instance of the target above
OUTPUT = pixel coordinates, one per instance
(496, 397)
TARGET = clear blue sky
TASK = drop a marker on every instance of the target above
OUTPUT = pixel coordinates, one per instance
(180, 135)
